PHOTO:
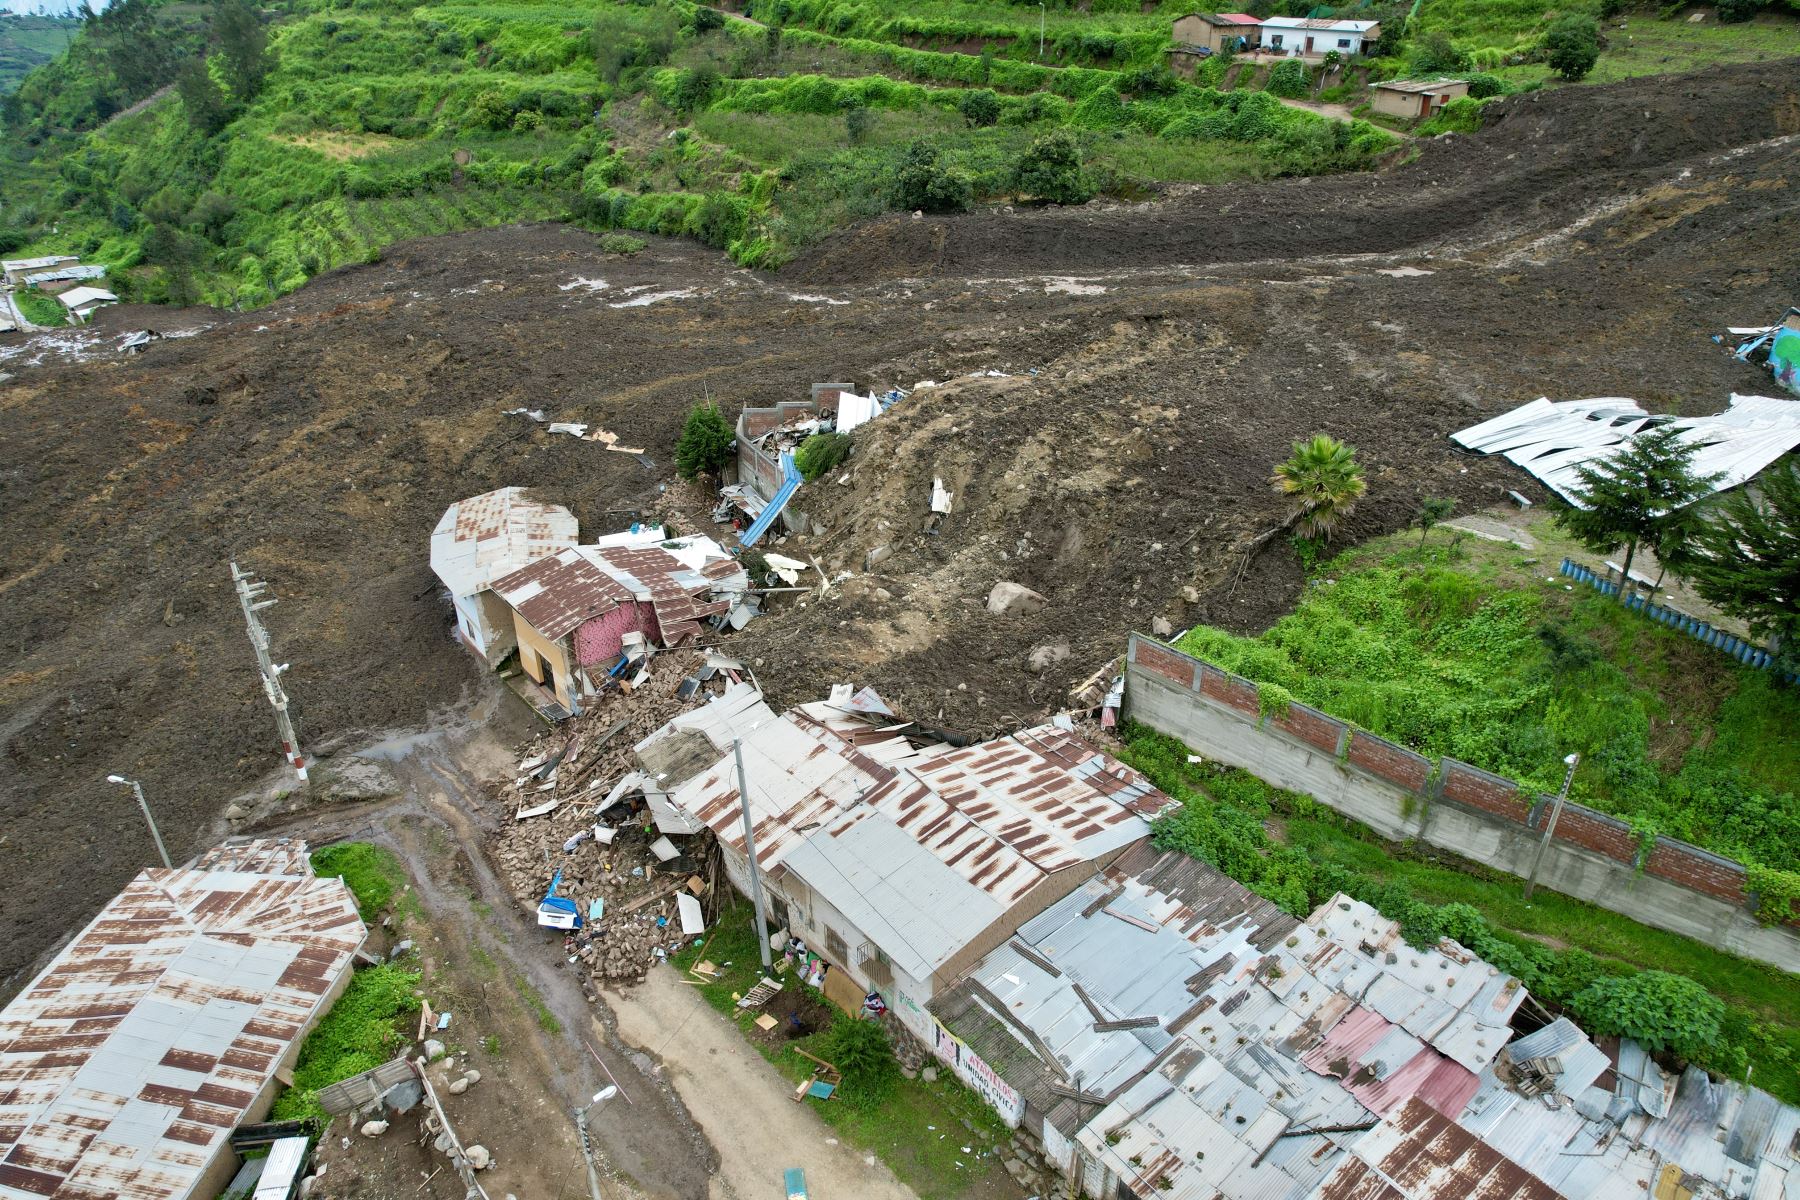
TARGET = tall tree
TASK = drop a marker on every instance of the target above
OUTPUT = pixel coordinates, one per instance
(201, 98)
(1638, 498)
(1744, 556)
(244, 43)
(1325, 481)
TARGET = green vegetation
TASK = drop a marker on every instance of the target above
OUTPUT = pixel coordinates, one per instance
(27, 43)
(40, 308)
(1459, 649)
(1610, 973)
(1744, 556)
(372, 874)
(1324, 480)
(1572, 46)
(366, 1027)
(707, 442)
(819, 453)
(878, 1111)
(534, 1003)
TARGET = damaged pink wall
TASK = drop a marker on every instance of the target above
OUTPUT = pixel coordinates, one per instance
(601, 639)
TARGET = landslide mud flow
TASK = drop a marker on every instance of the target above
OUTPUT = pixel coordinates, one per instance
(1159, 359)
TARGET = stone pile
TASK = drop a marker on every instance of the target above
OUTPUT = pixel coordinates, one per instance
(577, 764)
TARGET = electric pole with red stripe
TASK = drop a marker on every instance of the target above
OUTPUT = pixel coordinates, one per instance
(248, 590)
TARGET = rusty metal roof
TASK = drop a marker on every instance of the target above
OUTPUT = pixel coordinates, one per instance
(1419, 1154)
(560, 592)
(484, 537)
(125, 1065)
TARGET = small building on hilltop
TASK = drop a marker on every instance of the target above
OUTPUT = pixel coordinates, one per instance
(1315, 37)
(482, 538)
(61, 279)
(17, 269)
(1415, 99)
(576, 611)
(84, 302)
(1214, 33)
(166, 1023)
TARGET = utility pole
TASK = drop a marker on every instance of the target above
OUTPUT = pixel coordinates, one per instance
(1040, 30)
(248, 589)
(155, 833)
(756, 894)
(587, 1148)
(1562, 798)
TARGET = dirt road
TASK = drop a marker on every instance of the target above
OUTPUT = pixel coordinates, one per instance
(739, 1101)
(1158, 359)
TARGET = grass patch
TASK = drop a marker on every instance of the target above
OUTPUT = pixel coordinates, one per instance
(534, 1004)
(372, 874)
(41, 309)
(370, 1022)
(916, 1127)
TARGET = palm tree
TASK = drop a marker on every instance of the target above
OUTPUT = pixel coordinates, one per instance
(1325, 481)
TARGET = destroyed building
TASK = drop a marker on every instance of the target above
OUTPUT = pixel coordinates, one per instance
(483, 538)
(167, 1022)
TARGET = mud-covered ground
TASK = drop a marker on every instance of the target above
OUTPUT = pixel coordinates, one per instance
(1159, 358)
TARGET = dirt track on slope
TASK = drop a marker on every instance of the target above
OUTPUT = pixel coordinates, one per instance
(1579, 248)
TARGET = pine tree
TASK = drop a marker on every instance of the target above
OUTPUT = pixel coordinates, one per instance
(1638, 497)
(244, 43)
(1744, 556)
(707, 442)
(1325, 480)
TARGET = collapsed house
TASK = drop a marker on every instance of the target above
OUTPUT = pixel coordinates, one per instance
(1776, 347)
(899, 858)
(585, 615)
(1553, 440)
(766, 440)
(483, 538)
(167, 1022)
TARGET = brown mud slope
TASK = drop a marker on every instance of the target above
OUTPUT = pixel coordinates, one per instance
(318, 440)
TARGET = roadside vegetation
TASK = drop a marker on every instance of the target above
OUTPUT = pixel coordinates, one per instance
(918, 1128)
(373, 1018)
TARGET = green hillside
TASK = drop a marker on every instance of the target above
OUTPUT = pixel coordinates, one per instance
(27, 43)
(310, 135)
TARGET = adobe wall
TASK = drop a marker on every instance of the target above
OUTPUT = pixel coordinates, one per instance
(1456, 807)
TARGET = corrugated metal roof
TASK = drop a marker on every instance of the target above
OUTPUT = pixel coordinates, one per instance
(484, 537)
(1423, 87)
(1552, 440)
(1318, 23)
(126, 1064)
(560, 592)
(1419, 1154)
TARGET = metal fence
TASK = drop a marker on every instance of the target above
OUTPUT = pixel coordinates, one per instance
(1748, 653)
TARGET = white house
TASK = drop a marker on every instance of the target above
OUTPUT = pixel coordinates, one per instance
(483, 538)
(1315, 37)
(82, 301)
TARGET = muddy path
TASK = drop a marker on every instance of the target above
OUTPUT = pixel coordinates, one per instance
(1155, 361)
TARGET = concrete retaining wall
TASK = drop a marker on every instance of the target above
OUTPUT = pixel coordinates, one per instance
(1452, 805)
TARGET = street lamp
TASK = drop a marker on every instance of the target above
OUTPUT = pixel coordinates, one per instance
(587, 1150)
(1562, 798)
(138, 790)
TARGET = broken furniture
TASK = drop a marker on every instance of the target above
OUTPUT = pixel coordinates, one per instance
(824, 1082)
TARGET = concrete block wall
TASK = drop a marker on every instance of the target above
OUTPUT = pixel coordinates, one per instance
(1449, 804)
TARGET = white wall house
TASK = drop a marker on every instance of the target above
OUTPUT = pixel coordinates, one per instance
(483, 538)
(1315, 37)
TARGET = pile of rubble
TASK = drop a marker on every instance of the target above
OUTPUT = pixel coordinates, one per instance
(620, 874)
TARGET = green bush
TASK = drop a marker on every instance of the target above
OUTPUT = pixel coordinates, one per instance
(860, 1049)
(1483, 85)
(371, 873)
(1436, 54)
(364, 1029)
(980, 107)
(926, 180)
(1663, 1011)
(819, 453)
(1289, 78)
(1051, 171)
(707, 442)
(1572, 46)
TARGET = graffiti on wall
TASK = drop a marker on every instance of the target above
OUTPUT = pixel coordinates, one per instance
(980, 1077)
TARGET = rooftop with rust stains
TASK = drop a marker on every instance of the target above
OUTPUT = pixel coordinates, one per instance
(126, 1064)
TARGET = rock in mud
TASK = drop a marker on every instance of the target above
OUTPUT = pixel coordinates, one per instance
(877, 556)
(371, 1129)
(479, 1158)
(1010, 599)
(1047, 656)
(434, 1049)
(458, 1086)
(1161, 628)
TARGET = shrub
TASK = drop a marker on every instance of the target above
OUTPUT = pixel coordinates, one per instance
(621, 243)
(706, 19)
(491, 110)
(859, 119)
(368, 871)
(861, 1050)
(10, 240)
(1572, 46)
(1483, 85)
(1461, 115)
(821, 452)
(1663, 1011)
(1051, 171)
(706, 444)
(980, 107)
(1436, 54)
(694, 89)
(1732, 11)
(926, 180)
(1288, 79)
(362, 1031)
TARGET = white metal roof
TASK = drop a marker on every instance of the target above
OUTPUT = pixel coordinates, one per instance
(10, 265)
(484, 537)
(1552, 440)
(125, 1065)
(77, 297)
(1319, 23)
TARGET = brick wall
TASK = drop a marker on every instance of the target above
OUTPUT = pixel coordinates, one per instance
(1476, 788)
(1230, 691)
(1176, 668)
(1695, 868)
(1384, 760)
(1595, 831)
(1310, 726)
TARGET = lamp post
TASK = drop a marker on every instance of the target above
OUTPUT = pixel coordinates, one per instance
(138, 790)
(1562, 798)
(587, 1149)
